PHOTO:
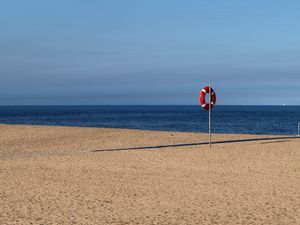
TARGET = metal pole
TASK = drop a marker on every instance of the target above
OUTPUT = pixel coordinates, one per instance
(298, 129)
(209, 116)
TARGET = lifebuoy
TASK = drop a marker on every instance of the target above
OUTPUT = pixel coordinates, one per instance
(203, 103)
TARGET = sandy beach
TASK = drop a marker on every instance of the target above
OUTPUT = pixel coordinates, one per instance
(70, 175)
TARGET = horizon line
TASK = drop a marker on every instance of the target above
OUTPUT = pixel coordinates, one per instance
(285, 105)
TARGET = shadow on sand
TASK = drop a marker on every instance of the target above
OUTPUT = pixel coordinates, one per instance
(270, 140)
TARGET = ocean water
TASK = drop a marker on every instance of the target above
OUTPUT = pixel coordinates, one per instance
(281, 120)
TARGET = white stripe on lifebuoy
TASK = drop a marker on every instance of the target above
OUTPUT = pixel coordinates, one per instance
(203, 90)
(203, 105)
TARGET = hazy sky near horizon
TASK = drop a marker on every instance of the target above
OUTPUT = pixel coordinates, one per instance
(149, 52)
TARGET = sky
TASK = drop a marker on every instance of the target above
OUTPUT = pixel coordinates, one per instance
(141, 52)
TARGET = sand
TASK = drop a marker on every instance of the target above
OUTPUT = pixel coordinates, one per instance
(65, 175)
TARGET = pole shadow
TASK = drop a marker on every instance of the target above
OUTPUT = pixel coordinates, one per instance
(274, 139)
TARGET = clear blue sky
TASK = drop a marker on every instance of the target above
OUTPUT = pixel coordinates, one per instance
(149, 52)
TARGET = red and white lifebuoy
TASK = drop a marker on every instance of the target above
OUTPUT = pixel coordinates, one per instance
(213, 98)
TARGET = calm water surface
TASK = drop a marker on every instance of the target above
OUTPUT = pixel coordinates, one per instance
(226, 119)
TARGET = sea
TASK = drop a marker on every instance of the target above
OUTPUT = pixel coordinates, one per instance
(275, 120)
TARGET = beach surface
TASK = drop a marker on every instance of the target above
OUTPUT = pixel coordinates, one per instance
(71, 175)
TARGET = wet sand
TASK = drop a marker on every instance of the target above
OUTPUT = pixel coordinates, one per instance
(65, 175)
